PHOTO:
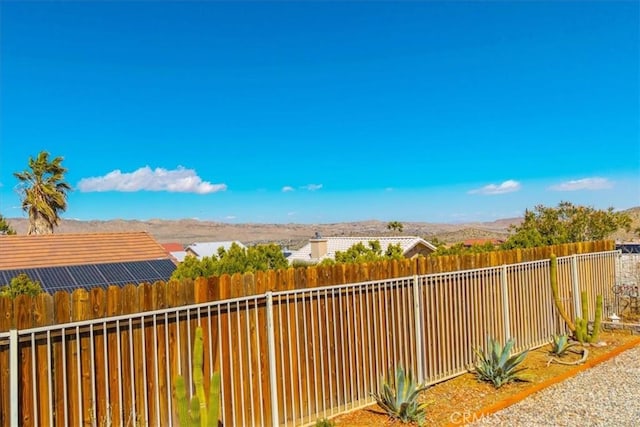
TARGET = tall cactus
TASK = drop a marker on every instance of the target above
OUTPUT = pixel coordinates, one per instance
(580, 328)
(195, 413)
(553, 272)
(582, 323)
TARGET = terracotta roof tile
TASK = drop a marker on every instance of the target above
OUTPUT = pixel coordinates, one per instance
(22, 251)
(173, 247)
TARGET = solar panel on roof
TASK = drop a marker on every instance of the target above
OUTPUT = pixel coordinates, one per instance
(4, 279)
(53, 288)
(86, 275)
(164, 267)
(116, 273)
(31, 272)
(70, 278)
(54, 276)
(143, 271)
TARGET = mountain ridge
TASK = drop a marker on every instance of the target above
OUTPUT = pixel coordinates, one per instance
(187, 231)
(293, 235)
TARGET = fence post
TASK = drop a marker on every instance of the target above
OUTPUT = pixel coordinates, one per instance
(14, 401)
(505, 303)
(271, 349)
(417, 310)
(577, 302)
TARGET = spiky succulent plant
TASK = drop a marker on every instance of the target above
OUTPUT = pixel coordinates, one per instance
(497, 365)
(399, 397)
(560, 343)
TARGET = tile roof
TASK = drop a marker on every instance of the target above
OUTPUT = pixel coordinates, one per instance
(173, 247)
(335, 244)
(64, 249)
(68, 261)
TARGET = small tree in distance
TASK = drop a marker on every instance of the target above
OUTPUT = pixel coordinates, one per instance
(395, 226)
(371, 253)
(567, 223)
(236, 259)
(5, 228)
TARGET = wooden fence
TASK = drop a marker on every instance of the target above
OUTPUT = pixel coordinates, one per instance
(24, 312)
(94, 357)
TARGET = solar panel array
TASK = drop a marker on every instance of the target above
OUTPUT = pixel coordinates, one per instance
(70, 278)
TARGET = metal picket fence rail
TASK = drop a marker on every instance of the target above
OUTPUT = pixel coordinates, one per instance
(288, 357)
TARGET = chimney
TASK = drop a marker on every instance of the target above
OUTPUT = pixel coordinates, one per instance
(318, 246)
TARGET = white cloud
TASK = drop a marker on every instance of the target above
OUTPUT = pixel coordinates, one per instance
(230, 217)
(179, 180)
(287, 189)
(292, 213)
(508, 186)
(595, 183)
(312, 187)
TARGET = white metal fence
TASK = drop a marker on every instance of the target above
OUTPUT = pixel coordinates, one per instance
(290, 357)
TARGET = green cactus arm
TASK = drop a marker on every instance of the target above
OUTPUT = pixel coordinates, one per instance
(198, 377)
(214, 399)
(581, 330)
(181, 400)
(585, 305)
(195, 411)
(597, 321)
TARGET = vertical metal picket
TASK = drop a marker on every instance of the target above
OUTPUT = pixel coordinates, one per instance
(13, 376)
(271, 348)
(417, 310)
(505, 304)
(577, 302)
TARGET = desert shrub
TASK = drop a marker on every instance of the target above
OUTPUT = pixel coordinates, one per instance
(22, 284)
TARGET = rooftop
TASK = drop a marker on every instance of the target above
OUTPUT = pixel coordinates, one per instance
(24, 251)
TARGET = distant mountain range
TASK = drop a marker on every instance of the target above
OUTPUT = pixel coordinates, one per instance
(293, 235)
(188, 230)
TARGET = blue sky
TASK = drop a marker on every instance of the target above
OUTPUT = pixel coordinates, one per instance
(320, 112)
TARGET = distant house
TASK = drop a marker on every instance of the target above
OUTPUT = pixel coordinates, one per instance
(68, 261)
(320, 248)
(207, 249)
(628, 247)
(176, 250)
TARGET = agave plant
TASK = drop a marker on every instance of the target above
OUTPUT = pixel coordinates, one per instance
(323, 422)
(497, 366)
(399, 397)
(560, 343)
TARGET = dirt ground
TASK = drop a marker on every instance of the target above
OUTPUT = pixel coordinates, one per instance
(458, 399)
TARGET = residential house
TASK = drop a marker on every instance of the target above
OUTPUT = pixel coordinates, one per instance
(320, 248)
(176, 250)
(207, 249)
(68, 261)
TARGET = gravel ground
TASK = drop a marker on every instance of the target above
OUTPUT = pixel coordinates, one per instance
(605, 395)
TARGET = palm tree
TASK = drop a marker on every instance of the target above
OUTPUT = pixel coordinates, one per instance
(44, 192)
(395, 225)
